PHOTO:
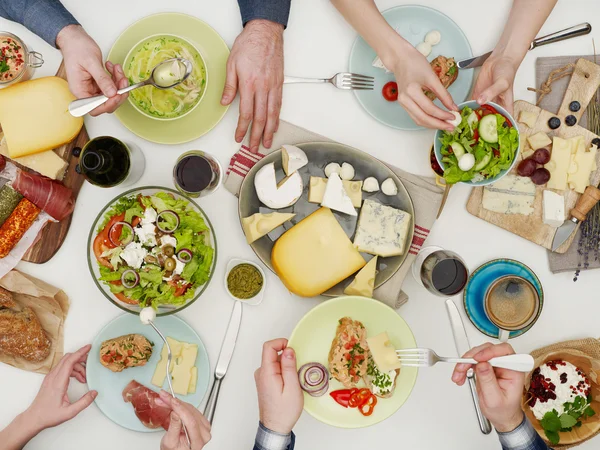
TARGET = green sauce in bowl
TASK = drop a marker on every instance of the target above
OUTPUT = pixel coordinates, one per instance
(165, 103)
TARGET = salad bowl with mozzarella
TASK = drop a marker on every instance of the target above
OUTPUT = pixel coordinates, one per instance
(152, 246)
(483, 147)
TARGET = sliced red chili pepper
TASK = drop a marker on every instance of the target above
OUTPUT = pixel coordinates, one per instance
(359, 398)
(342, 396)
(366, 409)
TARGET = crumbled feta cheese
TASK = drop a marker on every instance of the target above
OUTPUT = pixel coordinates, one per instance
(146, 233)
(134, 255)
(179, 266)
(167, 239)
(149, 215)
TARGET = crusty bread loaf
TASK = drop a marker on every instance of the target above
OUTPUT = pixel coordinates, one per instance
(21, 333)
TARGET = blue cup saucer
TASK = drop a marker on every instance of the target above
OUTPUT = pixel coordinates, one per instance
(478, 284)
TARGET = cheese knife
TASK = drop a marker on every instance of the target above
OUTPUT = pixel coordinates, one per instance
(568, 33)
(584, 205)
(224, 359)
(463, 346)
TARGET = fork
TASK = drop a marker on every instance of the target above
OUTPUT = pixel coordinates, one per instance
(342, 80)
(424, 357)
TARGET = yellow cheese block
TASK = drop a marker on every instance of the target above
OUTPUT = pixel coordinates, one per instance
(182, 372)
(315, 255)
(160, 373)
(383, 352)
(364, 281)
(539, 140)
(193, 381)
(257, 225)
(47, 163)
(528, 118)
(317, 187)
(582, 164)
(559, 164)
(34, 116)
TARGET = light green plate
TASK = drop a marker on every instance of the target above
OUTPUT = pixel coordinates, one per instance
(312, 339)
(215, 53)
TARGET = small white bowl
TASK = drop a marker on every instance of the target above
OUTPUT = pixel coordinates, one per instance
(257, 299)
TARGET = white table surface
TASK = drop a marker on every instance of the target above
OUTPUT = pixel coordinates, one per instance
(317, 43)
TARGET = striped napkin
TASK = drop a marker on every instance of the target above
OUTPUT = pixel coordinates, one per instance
(425, 194)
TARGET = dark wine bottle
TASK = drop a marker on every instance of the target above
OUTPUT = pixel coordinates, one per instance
(105, 161)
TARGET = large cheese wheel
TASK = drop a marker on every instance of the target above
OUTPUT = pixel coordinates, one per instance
(34, 116)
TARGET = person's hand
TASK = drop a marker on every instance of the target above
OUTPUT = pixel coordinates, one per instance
(413, 73)
(255, 69)
(52, 406)
(495, 82)
(85, 71)
(183, 414)
(500, 390)
(280, 398)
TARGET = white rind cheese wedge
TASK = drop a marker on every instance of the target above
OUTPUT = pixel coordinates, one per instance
(317, 186)
(554, 209)
(273, 196)
(382, 230)
(539, 140)
(258, 225)
(46, 163)
(293, 159)
(559, 164)
(364, 281)
(315, 255)
(335, 196)
(383, 352)
(510, 195)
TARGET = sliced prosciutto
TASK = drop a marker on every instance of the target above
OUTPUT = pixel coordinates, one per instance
(144, 404)
(48, 195)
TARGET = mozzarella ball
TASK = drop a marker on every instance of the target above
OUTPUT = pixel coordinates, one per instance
(347, 171)
(388, 187)
(433, 37)
(457, 119)
(370, 185)
(466, 162)
(424, 48)
(332, 168)
(147, 315)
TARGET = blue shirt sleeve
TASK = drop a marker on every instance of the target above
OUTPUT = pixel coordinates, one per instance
(274, 10)
(270, 440)
(43, 17)
(524, 437)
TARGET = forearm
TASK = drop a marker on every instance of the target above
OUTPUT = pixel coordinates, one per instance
(43, 17)
(524, 22)
(277, 11)
(366, 19)
(18, 433)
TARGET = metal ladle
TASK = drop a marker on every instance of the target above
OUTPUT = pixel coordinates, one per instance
(81, 107)
(146, 316)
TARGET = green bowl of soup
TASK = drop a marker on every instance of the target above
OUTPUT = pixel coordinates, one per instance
(165, 104)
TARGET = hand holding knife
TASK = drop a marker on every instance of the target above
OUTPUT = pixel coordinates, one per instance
(584, 205)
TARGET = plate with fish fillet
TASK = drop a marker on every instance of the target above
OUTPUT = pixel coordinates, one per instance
(347, 363)
(127, 365)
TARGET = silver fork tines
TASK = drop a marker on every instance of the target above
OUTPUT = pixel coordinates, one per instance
(342, 80)
(424, 357)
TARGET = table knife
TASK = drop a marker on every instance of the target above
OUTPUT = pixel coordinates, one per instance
(584, 205)
(568, 33)
(462, 346)
(224, 360)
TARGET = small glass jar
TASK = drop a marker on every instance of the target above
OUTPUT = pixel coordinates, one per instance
(17, 61)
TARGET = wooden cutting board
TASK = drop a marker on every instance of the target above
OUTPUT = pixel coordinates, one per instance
(53, 234)
(582, 87)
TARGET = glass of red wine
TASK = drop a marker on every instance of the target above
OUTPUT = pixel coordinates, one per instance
(441, 272)
(197, 173)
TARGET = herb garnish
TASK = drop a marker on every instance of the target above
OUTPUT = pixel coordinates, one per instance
(552, 423)
(4, 66)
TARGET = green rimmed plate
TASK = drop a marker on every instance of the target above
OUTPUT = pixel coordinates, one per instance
(312, 337)
(214, 51)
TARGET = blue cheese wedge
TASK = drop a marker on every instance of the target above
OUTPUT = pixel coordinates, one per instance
(382, 230)
(510, 195)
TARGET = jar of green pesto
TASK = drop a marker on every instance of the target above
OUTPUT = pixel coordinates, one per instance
(245, 281)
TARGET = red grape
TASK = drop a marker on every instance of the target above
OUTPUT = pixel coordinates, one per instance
(526, 167)
(541, 156)
(540, 176)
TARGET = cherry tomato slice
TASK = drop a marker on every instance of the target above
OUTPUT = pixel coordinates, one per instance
(490, 109)
(342, 396)
(390, 91)
(367, 408)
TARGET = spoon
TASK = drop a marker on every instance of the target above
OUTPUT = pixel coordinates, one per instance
(147, 316)
(165, 75)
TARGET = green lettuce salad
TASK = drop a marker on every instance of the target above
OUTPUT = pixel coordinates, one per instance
(153, 250)
(484, 144)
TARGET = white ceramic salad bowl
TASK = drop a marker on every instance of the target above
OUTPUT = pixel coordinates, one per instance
(475, 182)
(163, 309)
